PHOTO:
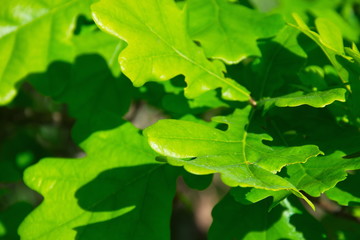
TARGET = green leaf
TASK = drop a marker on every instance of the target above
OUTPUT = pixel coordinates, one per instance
(349, 30)
(239, 156)
(354, 80)
(253, 195)
(346, 192)
(32, 34)
(313, 77)
(159, 47)
(341, 13)
(354, 53)
(228, 31)
(329, 39)
(102, 101)
(233, 220)
(115, 192)
(317, 99)
(282, 57)
(100, 43)
(320, 174)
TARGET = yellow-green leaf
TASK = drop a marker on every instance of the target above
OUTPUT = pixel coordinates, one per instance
(159, 47)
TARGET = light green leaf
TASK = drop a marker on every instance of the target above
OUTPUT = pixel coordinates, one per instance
(349, 31)
(329, 39)
(229, 31)
(354, 53)
(159, 47)
(341, 13)
(317, 99)
(239, 156)
(320, 174)
(115, 192)
(233, 220)
(32, 34)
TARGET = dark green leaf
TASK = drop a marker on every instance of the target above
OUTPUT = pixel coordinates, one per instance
(229, 31)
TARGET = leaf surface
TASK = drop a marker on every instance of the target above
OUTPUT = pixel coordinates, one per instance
(32, 34)
(346, 193)
(233, 220)
(321, 173)
(159, 47)
(339, 12)
(282, 57)
(229, 31)
(239, 156)
(317, 99)
(94, 197)
(102, 101)
(329, 39)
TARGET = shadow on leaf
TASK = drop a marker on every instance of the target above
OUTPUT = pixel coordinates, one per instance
(119, 212)
(95, 98)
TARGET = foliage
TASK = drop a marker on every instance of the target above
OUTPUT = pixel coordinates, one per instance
(280, 81)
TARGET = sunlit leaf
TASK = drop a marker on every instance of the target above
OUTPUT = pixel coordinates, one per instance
(314, 99)
(321, 173)
(240, 157)
(159, 47)
(94, 197)
(33, 34)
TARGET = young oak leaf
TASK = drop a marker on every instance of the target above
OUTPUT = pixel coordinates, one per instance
(31, 34)
(115, 192)
(316, 176)
(239, 156)
(321, 173)
(159, 47)
(229, 31)
(317, 99)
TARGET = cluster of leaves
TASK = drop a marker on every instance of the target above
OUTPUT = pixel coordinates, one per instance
(282, 76)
